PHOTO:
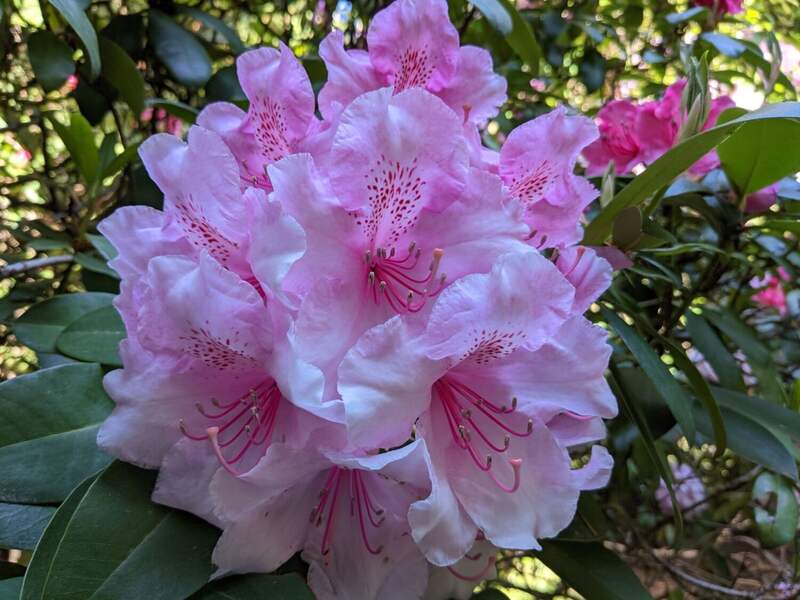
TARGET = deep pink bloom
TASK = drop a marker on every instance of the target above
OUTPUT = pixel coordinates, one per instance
(478, 379)
(537, 163)
(617, 142)
(71, 83)
(413, 44)
(761, 200)
(771, 294)
(722, 7)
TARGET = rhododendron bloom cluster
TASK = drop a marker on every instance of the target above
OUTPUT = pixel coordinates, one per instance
(361, 336)
(632, 134)
(770, 292)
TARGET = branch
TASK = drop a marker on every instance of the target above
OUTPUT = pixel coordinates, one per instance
(37, 263)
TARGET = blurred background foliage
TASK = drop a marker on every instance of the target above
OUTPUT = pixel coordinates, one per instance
(83, 83)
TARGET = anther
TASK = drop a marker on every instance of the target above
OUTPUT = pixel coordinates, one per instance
(371, 278)
(530, 425)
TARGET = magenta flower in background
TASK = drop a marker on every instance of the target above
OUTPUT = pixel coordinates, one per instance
(762, 200)
(771, 293)
(617, 142)
(722, 7)
(344, 337)
(689, 491)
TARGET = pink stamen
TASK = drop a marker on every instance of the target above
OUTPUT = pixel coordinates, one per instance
(477, 577)
(325, 547)
(396, 284)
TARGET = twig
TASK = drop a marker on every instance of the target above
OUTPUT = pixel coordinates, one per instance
(36, 263)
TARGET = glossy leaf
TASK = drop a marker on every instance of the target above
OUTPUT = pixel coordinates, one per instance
(74, 14)
(95, 337)
(95, 264)
(714, 351)
(255, 586)
(668, 387)
(21, 525)
(594, 571)
(41, 324)
(179, 50)
(48, 432)
(522, 40)
(78, 137)
(51, 59)
(102, 245)
(771, 415)
(496, 13)
(662, 171)
(120, 70)
(217, 25)
(776, 510)
(42, 560)
(119, 545)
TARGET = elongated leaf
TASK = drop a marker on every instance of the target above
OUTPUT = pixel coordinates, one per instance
(94, 337)
(776, 524)
(180, 51)
(714, 351)
(119, 545)
(48, 432)
(96, 265)
(121, 160)
(751, 440)
(102, 245)
(10, 588)
(496, 13)
(758, 355)
(51, 59)
(78, 137)
(251, 587)
(752, 159)
(594, 571)
(120, 70)
(42, 559)
(217, 25)
(668, 387)
(675, 162)
(41, 324)
(73, 13)
(21, 525)
(769, 414)
(522, 40)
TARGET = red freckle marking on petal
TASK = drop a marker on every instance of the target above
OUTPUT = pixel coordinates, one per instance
(415, 68)
(271, 130)
(216, 352)
(530, 187)
(488, 346)
(201, 233)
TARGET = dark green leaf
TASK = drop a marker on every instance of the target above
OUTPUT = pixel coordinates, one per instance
(119, 545)
(102, 245)
(594, 571)
(51, 59)
(714, 351)
(758, 355)
(217, 25)
(224, 85)
(78, 137)
(10, 588)
(668, 387)
(522, 40)
(769, 414)
(687, 15)
(121, 72)
(180, 51)
(21, 525)
(10, 570)
(752, 159)
(94, 337)
(42, 323)
(42, 559)
(48, 432)
(77, 19)
(749, 439)
(121, 160)
(177, 109)
(496, 13)
(97, 265)
(255, 586)
(775, 511)
(676, 161)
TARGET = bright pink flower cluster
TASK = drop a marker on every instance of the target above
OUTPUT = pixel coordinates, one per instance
(632, 134)
(722, 7)
(362, 337)
(770, 292)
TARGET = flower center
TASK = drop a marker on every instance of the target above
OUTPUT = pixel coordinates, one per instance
(394, 279)
(476, 424)
(362, 507)
(240, 425)
(415, 69)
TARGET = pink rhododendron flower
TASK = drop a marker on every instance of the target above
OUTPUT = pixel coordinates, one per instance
(761, 200)
(71, 84)
(722, 7)
(618, 142)
(771, 294)
(165, 122)
(343, 337)
(689, 491)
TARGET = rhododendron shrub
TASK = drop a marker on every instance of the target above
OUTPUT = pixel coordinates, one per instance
(354, 319)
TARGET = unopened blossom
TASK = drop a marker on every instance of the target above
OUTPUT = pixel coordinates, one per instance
(164, 121)
(689, 489)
